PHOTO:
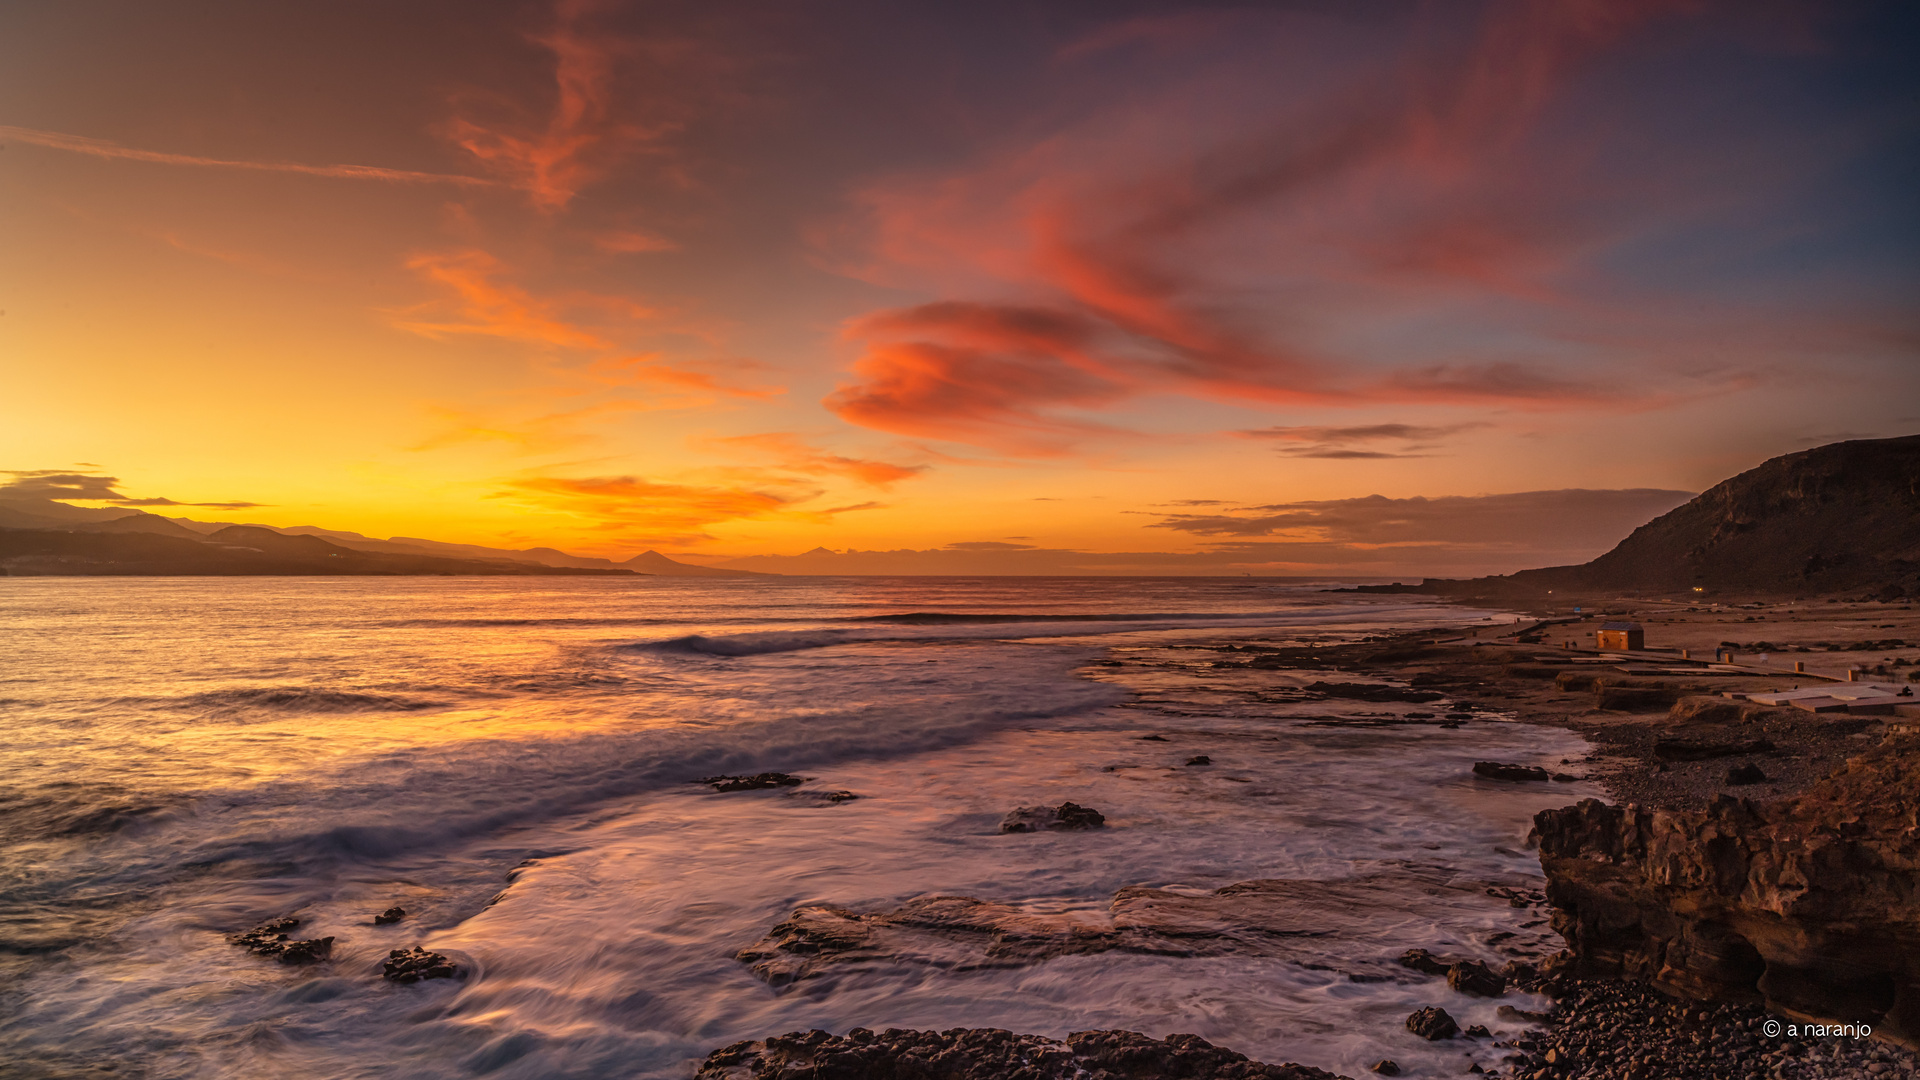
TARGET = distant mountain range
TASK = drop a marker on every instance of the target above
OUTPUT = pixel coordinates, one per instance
(44, 537)
(1839, 518)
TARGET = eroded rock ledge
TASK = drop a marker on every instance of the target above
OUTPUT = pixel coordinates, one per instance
(1809, 905)
(1302, 921)
(989, 1054)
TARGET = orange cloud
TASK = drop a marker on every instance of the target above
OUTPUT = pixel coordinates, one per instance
(101, 148)
(553, 159)
(792, 454)
(492, 308)
(644, 508)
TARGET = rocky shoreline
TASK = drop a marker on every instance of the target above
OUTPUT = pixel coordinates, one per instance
(1697, 901)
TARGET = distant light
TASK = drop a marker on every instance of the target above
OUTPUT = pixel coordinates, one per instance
(1699, 588)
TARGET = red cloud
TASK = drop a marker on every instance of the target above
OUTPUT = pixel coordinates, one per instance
(1234, 268)
(977, 373)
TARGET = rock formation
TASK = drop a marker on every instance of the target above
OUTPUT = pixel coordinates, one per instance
(1284, 919)
(988, 1054)
(1810, 905)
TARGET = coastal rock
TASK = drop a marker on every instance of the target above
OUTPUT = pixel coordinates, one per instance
(1377, 692)
(752, 783)
(1425, 962)
(988, 1054)
(412, 965)
(1433, 1024)
(1200, 759)
(1299, 920)
(270, 938)
(1063, 817)
(391, 915)
(1494, 770)
(1387, 1067)
(1805, 904)
(1475, 979)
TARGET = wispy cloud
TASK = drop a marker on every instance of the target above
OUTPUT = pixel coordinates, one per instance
(597, 349)
(1339, 443)
(1538, 520)
(101, 148)
(788, 452)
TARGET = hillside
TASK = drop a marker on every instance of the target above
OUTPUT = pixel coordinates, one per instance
(1844, 517)
(237, 550)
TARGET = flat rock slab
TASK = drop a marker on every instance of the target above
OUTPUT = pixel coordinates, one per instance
(1495, 770)
(1302, 921)
(989, 1054)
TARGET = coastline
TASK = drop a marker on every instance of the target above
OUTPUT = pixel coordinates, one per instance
(1603, 1022)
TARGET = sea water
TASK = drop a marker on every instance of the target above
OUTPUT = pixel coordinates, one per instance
(515, 762)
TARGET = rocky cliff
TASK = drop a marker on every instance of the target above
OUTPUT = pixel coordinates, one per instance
(1838, 518)
(1809, 905)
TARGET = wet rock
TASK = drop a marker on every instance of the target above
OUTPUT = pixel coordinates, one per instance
(1508, 1012)
(752, 783)
(1478, 1031)
(1200, 759)
(1387, 1067)
(1474, 978)
(412, 965)
(1423, 961)
(988, 1054)
(1153, 738)
(1433, 1024)
(1373, 692)
(1745, 774)
(271, 939)
(391, 915)
(1301, 921)
(1055, 818)
(1703, 748)
(840, 796)
(1494, 770)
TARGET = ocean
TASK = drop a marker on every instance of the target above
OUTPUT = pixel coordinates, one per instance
(515, 763)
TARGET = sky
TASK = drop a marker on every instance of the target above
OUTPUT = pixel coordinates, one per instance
(1049, 286)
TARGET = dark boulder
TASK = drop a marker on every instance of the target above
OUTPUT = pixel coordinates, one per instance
(412, 965)
(1200, 759)
(1745, 774)
(1474, 978)
(271, 939)
(1433, 1024)
(1052, 818)
(391, 915)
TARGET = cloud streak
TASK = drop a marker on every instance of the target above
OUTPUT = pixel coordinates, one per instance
(101, 148)
(1174, 245)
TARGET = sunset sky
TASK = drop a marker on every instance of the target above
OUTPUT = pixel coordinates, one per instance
(1276, 287)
